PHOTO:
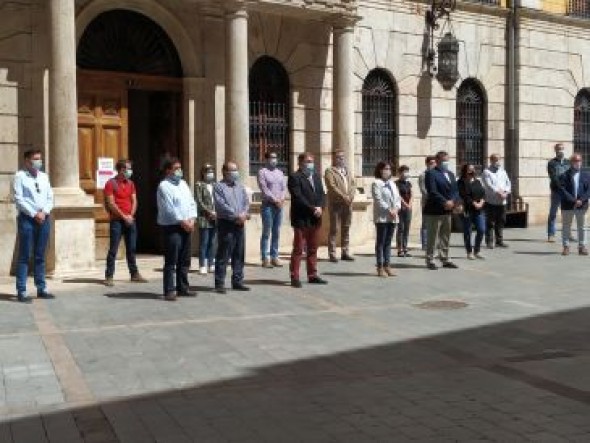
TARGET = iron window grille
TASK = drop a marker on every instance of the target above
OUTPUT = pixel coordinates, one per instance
(471, 125)
(582, 126)
(579, 8)
(269, 113)
(379, 132)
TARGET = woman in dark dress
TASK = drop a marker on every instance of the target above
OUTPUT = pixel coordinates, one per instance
(472, 193)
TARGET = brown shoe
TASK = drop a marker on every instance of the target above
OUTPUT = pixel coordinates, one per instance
(137, 278)
(109, 282)
(566, 251)
(582, 250)
(170, 296)
(551, 239)
(381, 272)
(389, 271)
(266, 264)
(277, 263)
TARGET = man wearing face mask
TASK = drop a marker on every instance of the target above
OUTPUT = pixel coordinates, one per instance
(177, 212)
(430, 162)
(404, 187)
(233, 210)
(271, 182)
(121, 204)
(34, 201)
(498, 188)
(556, 167)
(307, 206)
(206, 220)
(443, 197)
(574, 188)
(341, 190)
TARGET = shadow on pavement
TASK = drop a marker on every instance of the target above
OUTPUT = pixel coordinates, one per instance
(90, 281)
(266, 282)
(8, 297)
(538, 253)
(134, 295)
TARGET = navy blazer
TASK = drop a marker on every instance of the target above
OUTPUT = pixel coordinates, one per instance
(440, 190)
(567, 190)
(305, 198)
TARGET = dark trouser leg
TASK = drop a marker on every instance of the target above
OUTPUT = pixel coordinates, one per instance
(25, 243)
(224, 249)
(500, 222)
(490, 223)
(40, 242)
(480, 226)
(297, 253)
(131, 247)
(211, 246)
(380, 243)
(389, 230)
(172, 246)
(237, 258)
(204, 234)
(467, 233)
(311, 238)
(184, 262)
(115, 230)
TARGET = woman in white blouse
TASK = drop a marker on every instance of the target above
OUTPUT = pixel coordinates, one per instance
(386, 204)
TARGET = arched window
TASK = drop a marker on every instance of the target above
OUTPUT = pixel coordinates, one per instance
(582, 126)
(471, 125)
(379, 120)
(269, 113)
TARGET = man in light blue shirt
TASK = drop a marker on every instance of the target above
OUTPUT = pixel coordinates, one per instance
(232, 207)
(177, 212)
(34, 201)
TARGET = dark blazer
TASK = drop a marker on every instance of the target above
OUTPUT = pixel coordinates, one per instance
(305, 198)
(471, 192)
(567, 190)
(440, 190)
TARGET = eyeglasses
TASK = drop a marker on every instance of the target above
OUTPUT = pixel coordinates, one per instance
(37, 187)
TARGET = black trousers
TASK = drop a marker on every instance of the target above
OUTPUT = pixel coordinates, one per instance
(495, 221)
(231, 241)
(177, 258)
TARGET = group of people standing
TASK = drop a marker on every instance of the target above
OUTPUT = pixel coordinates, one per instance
(221, 209)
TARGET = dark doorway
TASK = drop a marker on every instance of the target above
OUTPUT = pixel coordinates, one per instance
(154, 134)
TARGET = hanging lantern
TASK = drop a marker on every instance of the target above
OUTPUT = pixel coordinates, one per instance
(448, 61)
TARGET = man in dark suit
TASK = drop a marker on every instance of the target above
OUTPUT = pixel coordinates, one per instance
(307, 205)
(443, 197)
(574, 189)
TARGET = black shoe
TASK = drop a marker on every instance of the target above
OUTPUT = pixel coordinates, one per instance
(240, 287)
(430, 265)
(489, 245)
(333, 259)
(400, 254)
(296, 283)
(221, 290)
(346, 257)
(317, 281)
(501, 245)
(23, 298)
(45, 295)
(450, 265)
(187, 294)
(407, 254)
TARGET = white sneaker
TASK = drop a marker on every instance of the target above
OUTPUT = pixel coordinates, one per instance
(470, 256)
(203, 270)
(212, 269)
(479, 256)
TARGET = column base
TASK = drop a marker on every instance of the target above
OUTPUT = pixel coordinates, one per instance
(72, 243)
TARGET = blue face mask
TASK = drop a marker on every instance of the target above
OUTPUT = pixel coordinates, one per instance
(175, 177)
(37, 164)
(309, 168)
(444, 166)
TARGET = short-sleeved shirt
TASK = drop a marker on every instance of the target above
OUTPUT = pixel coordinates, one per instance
(122, 192)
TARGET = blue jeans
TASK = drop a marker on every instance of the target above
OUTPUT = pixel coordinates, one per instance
(177, 259)
(555, 203)
(478, 220)
(118, 229)
(207, 246)
(272, 217)
(230, 245)
(35, 236)
(383, 243)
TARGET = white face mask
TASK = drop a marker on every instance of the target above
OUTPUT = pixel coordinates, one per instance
(386, 174)
(209, 176)
(405, 175)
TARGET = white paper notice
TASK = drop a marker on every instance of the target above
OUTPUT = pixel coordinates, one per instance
(103, 176)
(105, 163)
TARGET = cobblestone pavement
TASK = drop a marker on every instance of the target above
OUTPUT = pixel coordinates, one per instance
(495, 351)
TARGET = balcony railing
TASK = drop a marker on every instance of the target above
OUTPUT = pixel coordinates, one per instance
(578, 8)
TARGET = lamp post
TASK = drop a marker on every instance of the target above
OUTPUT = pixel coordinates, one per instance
(447, 72)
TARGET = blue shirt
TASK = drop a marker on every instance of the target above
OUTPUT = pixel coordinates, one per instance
(231, 200)
(175, 203)
(32, 194)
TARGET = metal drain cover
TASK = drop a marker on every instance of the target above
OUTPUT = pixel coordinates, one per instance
(442, 304)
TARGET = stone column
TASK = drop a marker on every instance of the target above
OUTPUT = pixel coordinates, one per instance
(72, 242)
(343, 94)
(237, 138)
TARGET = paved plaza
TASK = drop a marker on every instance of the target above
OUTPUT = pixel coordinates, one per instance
(496, 351)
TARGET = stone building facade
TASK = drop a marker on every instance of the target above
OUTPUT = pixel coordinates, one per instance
(212, 79)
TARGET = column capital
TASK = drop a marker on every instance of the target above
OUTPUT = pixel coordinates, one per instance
(235, 9)
(344, 22)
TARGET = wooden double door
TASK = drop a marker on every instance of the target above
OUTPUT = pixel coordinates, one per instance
(128, 116)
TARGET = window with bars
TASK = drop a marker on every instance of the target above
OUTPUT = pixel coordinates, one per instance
(269, 113)
(578, 8)
(582, 126)
(471, 125)
(379, 132)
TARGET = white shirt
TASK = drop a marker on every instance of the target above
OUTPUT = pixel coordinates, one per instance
(32, 194)
(495, 181)
(175, 203)
(343, 173)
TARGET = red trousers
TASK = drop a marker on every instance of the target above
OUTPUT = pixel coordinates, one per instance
(308, 238)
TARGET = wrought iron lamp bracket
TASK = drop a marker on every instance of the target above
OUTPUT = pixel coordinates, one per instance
(438, 9)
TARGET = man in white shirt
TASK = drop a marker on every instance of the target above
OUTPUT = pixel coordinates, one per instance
(498, 187)
(34, 201)
(177, 212)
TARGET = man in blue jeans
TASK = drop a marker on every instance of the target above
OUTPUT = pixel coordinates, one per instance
(555, 169)
(34, 201)
(121, 204)
(271, 182)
